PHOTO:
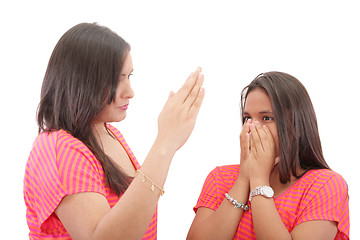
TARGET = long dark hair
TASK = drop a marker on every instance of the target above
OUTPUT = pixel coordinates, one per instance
(299, 140)
(80, 80)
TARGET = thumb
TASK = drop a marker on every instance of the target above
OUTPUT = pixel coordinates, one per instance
(171, 95)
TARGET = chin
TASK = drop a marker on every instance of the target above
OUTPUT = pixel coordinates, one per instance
(119, 119)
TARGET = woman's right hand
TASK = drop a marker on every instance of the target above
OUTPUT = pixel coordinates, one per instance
(245, 151)
(177, 119)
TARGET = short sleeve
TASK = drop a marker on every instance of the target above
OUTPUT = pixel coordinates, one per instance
(330, 202)
(59, 165)
(208, 195)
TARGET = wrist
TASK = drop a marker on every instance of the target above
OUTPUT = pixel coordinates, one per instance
(265, 191)
(243, 180)
(257, 182)
(163, 148)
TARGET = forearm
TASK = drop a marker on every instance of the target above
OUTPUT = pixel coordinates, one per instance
(131, 216)
(222, 223)
(266, 219)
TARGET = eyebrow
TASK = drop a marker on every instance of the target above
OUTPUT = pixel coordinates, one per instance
(262, 112)
(123, 74)
(266, 112)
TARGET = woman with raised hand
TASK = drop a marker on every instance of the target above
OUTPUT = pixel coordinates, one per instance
(283, 188)
(82, 181)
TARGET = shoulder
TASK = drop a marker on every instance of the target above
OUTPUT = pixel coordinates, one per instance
(55, 138)
(219, 181)
(323, 196)
(55, 145)
(323, 176)
(324, 182)
(225, 173)
(46, 143)
(228, 169)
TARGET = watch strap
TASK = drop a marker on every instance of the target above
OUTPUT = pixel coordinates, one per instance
(259, 191)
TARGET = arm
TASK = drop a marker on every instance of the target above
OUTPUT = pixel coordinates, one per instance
(266, 219)
(89, 216)
(268, 224)
(223, 223)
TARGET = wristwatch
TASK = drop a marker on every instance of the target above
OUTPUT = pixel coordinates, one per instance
(265, 191)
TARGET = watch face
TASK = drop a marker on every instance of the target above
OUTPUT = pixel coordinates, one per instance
(267, 191)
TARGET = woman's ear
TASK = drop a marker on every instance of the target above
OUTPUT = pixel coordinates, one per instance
(277, 160)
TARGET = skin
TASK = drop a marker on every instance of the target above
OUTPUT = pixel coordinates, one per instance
(88, 215)
(258, 167)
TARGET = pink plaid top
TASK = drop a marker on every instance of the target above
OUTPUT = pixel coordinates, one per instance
(59, 165)
(318, 195)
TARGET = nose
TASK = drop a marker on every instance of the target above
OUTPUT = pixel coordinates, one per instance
(252, 120)
(255, 120)
(127, 91)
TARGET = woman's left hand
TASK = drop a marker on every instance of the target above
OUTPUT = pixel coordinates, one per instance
(262, 154)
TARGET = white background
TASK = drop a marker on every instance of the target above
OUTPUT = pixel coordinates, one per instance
(233, 41)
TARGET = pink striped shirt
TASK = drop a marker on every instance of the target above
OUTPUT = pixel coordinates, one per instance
(318, 195)
(59, 165)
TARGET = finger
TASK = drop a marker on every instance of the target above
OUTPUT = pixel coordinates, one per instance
(245, 147)
(244, 134)
(245, 128)
(252, 143)
(171, 94)
(263, 136)
(247, 143)
(195, 91)
(269, 139)
(189, 84)
(195, 108)
(255, 137)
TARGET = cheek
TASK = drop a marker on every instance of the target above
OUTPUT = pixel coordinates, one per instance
(105, 113)
(276, 139)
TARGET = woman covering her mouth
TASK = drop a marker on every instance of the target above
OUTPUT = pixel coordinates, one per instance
(283, 187)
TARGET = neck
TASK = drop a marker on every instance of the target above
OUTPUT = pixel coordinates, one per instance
(279, 187)
(99, 131)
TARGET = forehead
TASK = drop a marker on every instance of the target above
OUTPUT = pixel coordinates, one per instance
(128, 64)
(257, 101)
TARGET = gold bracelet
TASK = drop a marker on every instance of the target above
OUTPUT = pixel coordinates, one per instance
(153, 184)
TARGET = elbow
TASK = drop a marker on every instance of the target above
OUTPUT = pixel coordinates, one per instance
(198, 235)
(192, 235)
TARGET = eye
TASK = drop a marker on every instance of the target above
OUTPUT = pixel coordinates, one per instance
(267, 118)
(130, 75)
(246, 118)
